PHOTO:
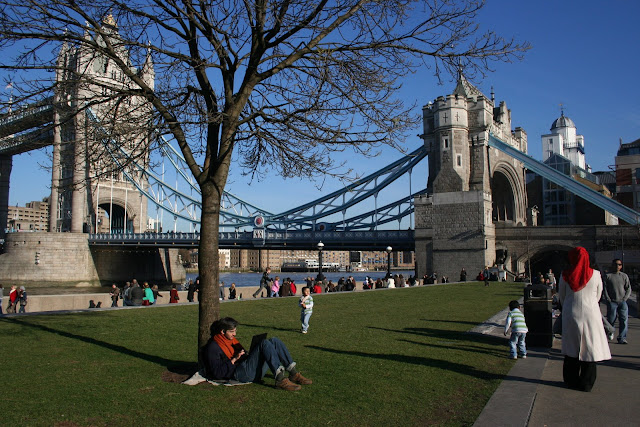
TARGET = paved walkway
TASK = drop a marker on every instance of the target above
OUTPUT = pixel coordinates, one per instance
(533, 393)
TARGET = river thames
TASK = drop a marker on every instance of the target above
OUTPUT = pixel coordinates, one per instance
(253, 279)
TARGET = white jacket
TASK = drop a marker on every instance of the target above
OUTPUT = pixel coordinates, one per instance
(583, 335)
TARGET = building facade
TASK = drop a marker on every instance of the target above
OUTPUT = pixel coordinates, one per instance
(34, 216)
(628, 174)
(563, 150)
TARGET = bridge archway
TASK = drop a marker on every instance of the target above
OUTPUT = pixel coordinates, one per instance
(542, 259)
(112, 216)
(508, 196)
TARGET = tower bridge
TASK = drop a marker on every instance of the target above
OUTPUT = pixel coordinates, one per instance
(472, 213)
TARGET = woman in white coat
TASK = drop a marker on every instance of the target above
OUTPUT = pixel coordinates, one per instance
(583, 339)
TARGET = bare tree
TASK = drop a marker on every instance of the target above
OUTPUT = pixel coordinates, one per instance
(283, 83)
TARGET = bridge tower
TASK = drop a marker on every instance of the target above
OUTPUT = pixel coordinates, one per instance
(472, 189)
(89, 192)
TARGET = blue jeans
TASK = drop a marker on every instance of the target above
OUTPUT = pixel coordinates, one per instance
(621, 311)
(272, 354)
(304, 318)
(518, 340)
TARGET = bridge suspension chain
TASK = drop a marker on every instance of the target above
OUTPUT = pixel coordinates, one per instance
(238, 213)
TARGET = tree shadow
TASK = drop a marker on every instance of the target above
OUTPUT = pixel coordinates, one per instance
(446, 365)
(470, 348)
(459, 322)
(445, 334)
(277, 328)
(177, 366)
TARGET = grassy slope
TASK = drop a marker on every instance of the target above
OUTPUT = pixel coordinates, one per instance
(379, 358)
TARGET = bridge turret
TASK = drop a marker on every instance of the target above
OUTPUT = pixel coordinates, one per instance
(446, 138)
(88, 191)
(472, 186)
(148, 72)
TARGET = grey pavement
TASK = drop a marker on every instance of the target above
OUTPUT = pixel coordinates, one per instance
(533, 394)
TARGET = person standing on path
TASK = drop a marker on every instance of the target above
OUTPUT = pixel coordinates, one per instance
(22, 297)
(583, 339)
(617, 291)
(13, 300)
(516, 322)
(1, 295)
(173, 295)
(115, 295)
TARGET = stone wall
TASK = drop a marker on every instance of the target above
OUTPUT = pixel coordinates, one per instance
(454, 230)
(43, 303)
(64, 259)
(45, 259)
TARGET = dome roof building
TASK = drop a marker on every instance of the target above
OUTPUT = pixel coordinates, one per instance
(565, 141)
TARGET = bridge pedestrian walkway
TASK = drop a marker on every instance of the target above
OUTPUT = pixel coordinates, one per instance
(533, 393)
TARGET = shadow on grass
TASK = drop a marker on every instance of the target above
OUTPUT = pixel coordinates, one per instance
(470, 348)
(446, 365)
(453, 336)
(444, 334)
(263, 326)
(176, 366)
(451, 321)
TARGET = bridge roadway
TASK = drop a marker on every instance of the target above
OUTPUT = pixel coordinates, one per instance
(399, 240)
(521, 242)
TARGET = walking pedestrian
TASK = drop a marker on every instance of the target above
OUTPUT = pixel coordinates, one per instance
(617, 290)
(265, 283)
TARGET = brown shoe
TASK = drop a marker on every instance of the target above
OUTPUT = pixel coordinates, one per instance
(285, 384)
(299, 379)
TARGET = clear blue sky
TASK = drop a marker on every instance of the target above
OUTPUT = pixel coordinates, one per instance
(584, 56)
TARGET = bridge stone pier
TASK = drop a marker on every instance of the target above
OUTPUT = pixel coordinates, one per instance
(5, 173)
(471, 187)
(65, 259)
(89, 191)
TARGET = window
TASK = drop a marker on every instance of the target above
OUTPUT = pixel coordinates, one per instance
(446, 143)
(459, 160)
(623, 177)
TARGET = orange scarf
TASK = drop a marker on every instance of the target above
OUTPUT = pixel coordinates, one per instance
(227, 346)
(580, 272)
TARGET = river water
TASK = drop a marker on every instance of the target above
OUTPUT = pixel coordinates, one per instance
(240, 279)
(253, 279)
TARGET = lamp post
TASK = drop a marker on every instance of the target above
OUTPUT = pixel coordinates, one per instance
(389, 249)
(320, 276)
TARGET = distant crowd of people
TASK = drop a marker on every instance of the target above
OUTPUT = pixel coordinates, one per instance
(133, 294)
(17, 298)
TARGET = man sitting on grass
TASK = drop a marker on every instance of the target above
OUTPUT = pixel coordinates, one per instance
(225, 358)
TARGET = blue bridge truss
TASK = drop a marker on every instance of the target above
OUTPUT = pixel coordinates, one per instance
(30, 128)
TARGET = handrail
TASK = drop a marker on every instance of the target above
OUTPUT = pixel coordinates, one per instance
(568, 183)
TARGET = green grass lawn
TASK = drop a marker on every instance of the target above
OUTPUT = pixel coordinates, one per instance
(393, 357)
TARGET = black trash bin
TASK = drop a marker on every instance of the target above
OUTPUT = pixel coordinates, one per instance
(538, 315)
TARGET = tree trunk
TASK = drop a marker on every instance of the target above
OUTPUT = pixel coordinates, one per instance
(208, 297)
